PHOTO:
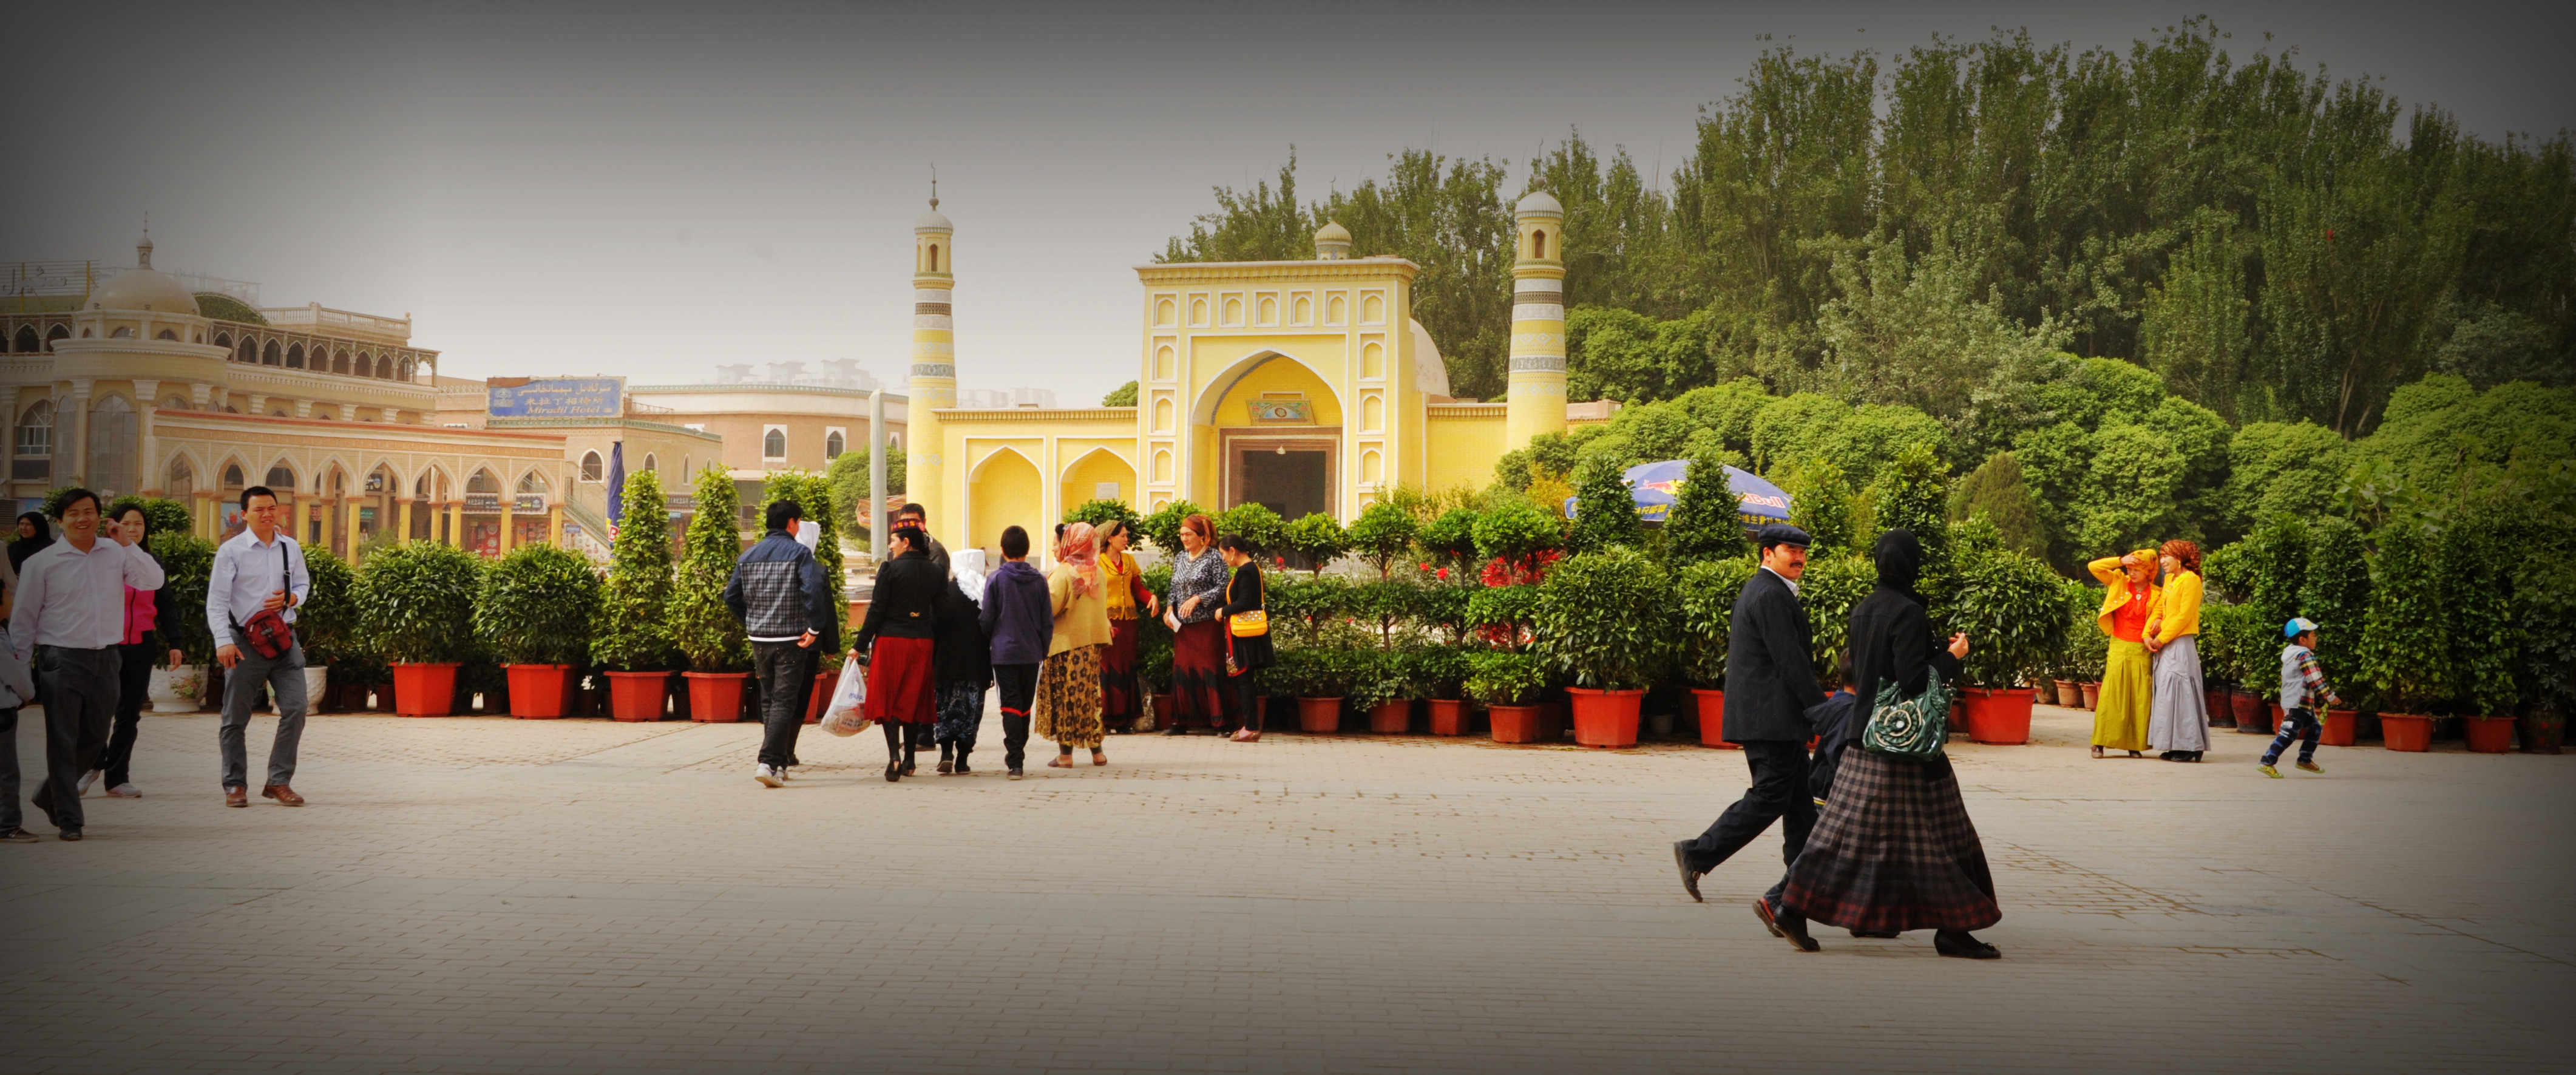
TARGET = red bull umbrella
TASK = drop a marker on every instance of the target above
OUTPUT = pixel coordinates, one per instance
(1657, 485)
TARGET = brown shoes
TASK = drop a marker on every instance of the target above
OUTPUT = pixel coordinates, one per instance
(284, 795)
(236, 796)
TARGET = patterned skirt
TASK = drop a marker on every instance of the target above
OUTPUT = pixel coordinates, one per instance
(2120, 711)
(1118, 701)
(1893, 851)
(961, 713)
(1198, 674)
(1068, 706)
(2180, 717)
(899, 690)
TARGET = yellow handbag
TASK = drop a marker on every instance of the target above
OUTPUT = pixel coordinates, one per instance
(1255, 623)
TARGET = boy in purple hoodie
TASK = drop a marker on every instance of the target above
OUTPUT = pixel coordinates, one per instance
(1019, 619)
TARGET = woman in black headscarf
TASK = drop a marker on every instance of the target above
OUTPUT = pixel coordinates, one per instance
(1893, 849)
(34, 533)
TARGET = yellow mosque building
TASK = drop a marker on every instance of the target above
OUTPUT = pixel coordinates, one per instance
(1303, 385)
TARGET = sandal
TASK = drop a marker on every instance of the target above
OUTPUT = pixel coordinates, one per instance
(1060, 761)
(1098, 758)
(2097, 750)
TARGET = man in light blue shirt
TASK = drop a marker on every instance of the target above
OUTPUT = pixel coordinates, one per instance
(70, 616)
(260, 569)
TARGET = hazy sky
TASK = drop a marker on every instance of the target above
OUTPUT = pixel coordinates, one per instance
(652, 190)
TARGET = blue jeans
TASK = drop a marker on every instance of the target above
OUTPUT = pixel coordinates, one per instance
(2300, 724)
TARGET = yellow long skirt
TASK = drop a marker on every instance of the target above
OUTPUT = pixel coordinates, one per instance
(2128, 695)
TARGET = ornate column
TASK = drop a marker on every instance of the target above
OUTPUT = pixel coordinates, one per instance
(554, 524)
(79, 435)
(456, 523)
(329, 517)
(351, 528)
(509, 525)
(402, 512)
(149, 474)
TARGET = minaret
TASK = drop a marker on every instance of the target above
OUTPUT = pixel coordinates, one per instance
(1536, 389)
(934, 369)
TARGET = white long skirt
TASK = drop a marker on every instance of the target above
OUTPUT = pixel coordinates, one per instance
(2178, 719)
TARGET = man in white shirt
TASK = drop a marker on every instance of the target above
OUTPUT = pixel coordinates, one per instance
(260, 569)
(70, 616)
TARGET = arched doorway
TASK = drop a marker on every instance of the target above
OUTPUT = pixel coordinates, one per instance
(1006, 491)
(1279, 437)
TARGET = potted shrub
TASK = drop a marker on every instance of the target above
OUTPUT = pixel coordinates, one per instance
(1255, 523)
(1163, 527)
(1382, 684)
(1508, 684)
(1514, 538)
(186, 561)
(1319, 677)
(2402, 648)
(414, 602)
(705, 630)
(2479, 633)
(633, 642)
(1385, 605)
(1605, 620)
(1382, 535)
(535, 615)
(2545, 611)
(326, 623)
(1316, 540)
(1449, 542)
(1441, 673)
(2015, 617)
(1708, 592)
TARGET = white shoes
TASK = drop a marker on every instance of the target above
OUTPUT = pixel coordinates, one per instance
(125, 790)
(90, 778)
(769, 776)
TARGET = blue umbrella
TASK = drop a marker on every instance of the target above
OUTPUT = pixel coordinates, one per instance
(1657, 485)
(616, 488)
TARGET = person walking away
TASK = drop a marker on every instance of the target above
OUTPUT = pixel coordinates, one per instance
(1245, 654)
(1122, 584)
(810, 534)
(1068, 709)
(899, 644)
(1770, 685)
(779, 594)
(1016, 617)
(2178, 725)
(16, 690)
(1893, 849)
(147, 613)
(69, 619)
(1199, 682)
(260, 570)
(963, 658)
(2303, 685)
(2129, 600)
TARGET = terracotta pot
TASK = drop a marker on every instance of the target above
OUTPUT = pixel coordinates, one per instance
(2000, 716)
(1392, 717)
(2541, 732)
(2092, 694)
(2222, 713)
(1712, 719)
(716, 697)
(1449, 716)
(2339, 727)
(424, 690)
(821, 698)
(540, 691)
(1517, 724)
(2488, 735)
(637, 696)
(1605, 718)
(1165, 710)
(2250, 715)
(2068, 694)
(2407, 732)
(1319, 716)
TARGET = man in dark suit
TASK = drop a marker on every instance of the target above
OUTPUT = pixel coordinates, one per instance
(1770, 685)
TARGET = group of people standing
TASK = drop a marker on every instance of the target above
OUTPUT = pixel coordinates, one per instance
(2151, 696)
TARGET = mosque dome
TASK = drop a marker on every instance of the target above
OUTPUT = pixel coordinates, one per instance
(1430, 374)
(934, 220)
(140, 288)
(1332, 241)
(1538, 201)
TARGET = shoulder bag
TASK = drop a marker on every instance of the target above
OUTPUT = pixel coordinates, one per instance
(1913, 727)
(1255, 622)
(269, 634)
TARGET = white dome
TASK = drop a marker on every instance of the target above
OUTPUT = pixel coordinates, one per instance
(1430, 374)
(1538, 201)
(144, 289)
(934, 220)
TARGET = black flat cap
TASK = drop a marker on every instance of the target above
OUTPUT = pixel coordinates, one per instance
(1780, 534)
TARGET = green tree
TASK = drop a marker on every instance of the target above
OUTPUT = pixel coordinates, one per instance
(848, 479)
(1996, 490)
(161, 515)
(634, 634)
(539, 604)
(1163, 527)
(813, 493)
(1605, 512)
(2336, 594)
(701, 624)
(1256, 523)
(1706, 522)
(1913, 494)
(1319, 540)
(1382, 535)
(1122, 396)
(1821, 503)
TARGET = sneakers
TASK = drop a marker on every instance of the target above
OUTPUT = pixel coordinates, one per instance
(769, 776)
(2267, 770)
(89, 778)
(1015, 774)
(2311, 767)
(125, 790)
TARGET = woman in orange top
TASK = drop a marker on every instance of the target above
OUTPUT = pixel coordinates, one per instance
(2130, 599)
(1123, 584)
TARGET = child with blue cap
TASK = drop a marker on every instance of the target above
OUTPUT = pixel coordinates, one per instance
(2303, 686)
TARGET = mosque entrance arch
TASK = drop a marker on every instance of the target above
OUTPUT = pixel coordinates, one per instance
(1279, 436)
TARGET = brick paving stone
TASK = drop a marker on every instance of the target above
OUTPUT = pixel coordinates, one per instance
(479, 895)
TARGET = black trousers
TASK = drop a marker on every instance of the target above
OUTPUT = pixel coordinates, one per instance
(134, 684)
(1019, 686)
(1248, 700)
(1779, 793)
(11, 817)
(78, 688)
(781, 665)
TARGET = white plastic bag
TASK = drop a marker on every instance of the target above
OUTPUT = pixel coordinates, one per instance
(845, 715)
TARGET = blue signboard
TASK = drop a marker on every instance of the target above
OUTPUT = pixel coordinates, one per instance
(560, 397)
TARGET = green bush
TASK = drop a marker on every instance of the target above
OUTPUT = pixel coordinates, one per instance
(2544, 610)
(1708, 591)
(1378, 676)
(1255, 523)
(2275, 563)
(813, 493)
(1822, 504)
(1442, 671)
(1505, 612)
(539, 604)
(1706, 521)
(1913, 493)
(327, 621)
(188, 562)
(634, 635)
(1122, 396)
(2405, 659)
(702, 625)
(1605, 511)
(1385, 605)
(1382, 535)
(2336, 594)
(1606, 619)
(1516, 531)
(415, 602)
(1996, 488)
(1163, 527)
(1303, 608)
(1443, 606)
(2477, 621)
(1828, 590)
(1504, 677)
(1320, 671)
(1102, 512)
(2014, 614)
(2088, 649)
(1318, 540)
(1450, 540)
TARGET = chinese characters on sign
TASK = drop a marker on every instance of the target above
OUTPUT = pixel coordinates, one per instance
(562, 397)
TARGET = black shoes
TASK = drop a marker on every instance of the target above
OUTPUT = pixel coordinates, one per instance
(71, 834)
(1690, 877)
(1794, 930)
(894, 770)
(1957, 943)
(1177, 729)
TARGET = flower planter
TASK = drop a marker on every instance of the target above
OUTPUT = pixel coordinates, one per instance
(1319, 716)
(2092, 694)
(2222, 713)
(1517, 724)
(2407, 732)
(2488, 735)
(2250, 713)
(2339, 727)
(1712, 719)
(176, 690)
(714, 697)
(2068, 694)
(2541, 732)
(424, 690)
(2000, 716)
(1449, 716)
(1164, 709)
(637, 696)
(540, 691)
(1392, 718)
(1605, 718)
(821, 698)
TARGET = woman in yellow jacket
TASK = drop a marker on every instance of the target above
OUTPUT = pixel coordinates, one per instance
(2179, 724)
(2129, 600)
(1068, 702)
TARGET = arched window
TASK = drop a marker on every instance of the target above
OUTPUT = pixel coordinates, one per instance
(123, 332)
(295, 357)
(224, 339)
(379, 480)
(385, 369)
(181, 480)
(59, 333)
(232, 476)
(834, 445)
(773, 445)
(482, 482)
(280, 477)
(532, 482)
(652, 464)
(35, 460)
(930, 262)
(27, 343)
(175, 403)
(268, 355)
(1538, 245)
(339, 361)
(247, 352)
(166, 334)
(590, 471)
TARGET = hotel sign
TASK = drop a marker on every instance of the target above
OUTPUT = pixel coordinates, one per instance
(557, 397)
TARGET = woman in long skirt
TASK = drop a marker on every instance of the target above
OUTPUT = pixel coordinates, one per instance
(2129, 600)
(900, 639)
(1068, 703)
(2179, 724)
(1893, 849)
(1122, 583)
(1198, 642)
(1245, 654)
(965, 664)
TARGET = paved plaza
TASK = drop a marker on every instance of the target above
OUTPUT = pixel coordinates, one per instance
(482, 895)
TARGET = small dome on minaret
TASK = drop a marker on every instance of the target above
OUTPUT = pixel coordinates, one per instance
(143, 252)
(1332, 242)
(1538, 201)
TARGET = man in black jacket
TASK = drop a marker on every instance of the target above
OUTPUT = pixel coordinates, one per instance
(1770, 685)
(785, 605)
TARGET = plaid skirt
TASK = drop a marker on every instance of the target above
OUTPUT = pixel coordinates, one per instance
(1893, 851)
(1068, 709)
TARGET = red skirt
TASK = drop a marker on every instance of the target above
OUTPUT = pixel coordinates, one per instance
(899, 682)
(1118, 676)
(1198, 672)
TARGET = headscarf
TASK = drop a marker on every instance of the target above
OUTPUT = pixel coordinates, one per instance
(2145, 556)
(1079, 548)
(2185, 551)
(22, 548)
(1900, 560)
(967, 567)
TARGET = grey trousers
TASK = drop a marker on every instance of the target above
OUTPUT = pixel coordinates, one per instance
(12, 816)
(78, 688)
(283, 676)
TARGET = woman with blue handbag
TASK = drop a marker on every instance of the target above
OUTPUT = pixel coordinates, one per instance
(1894, 849)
